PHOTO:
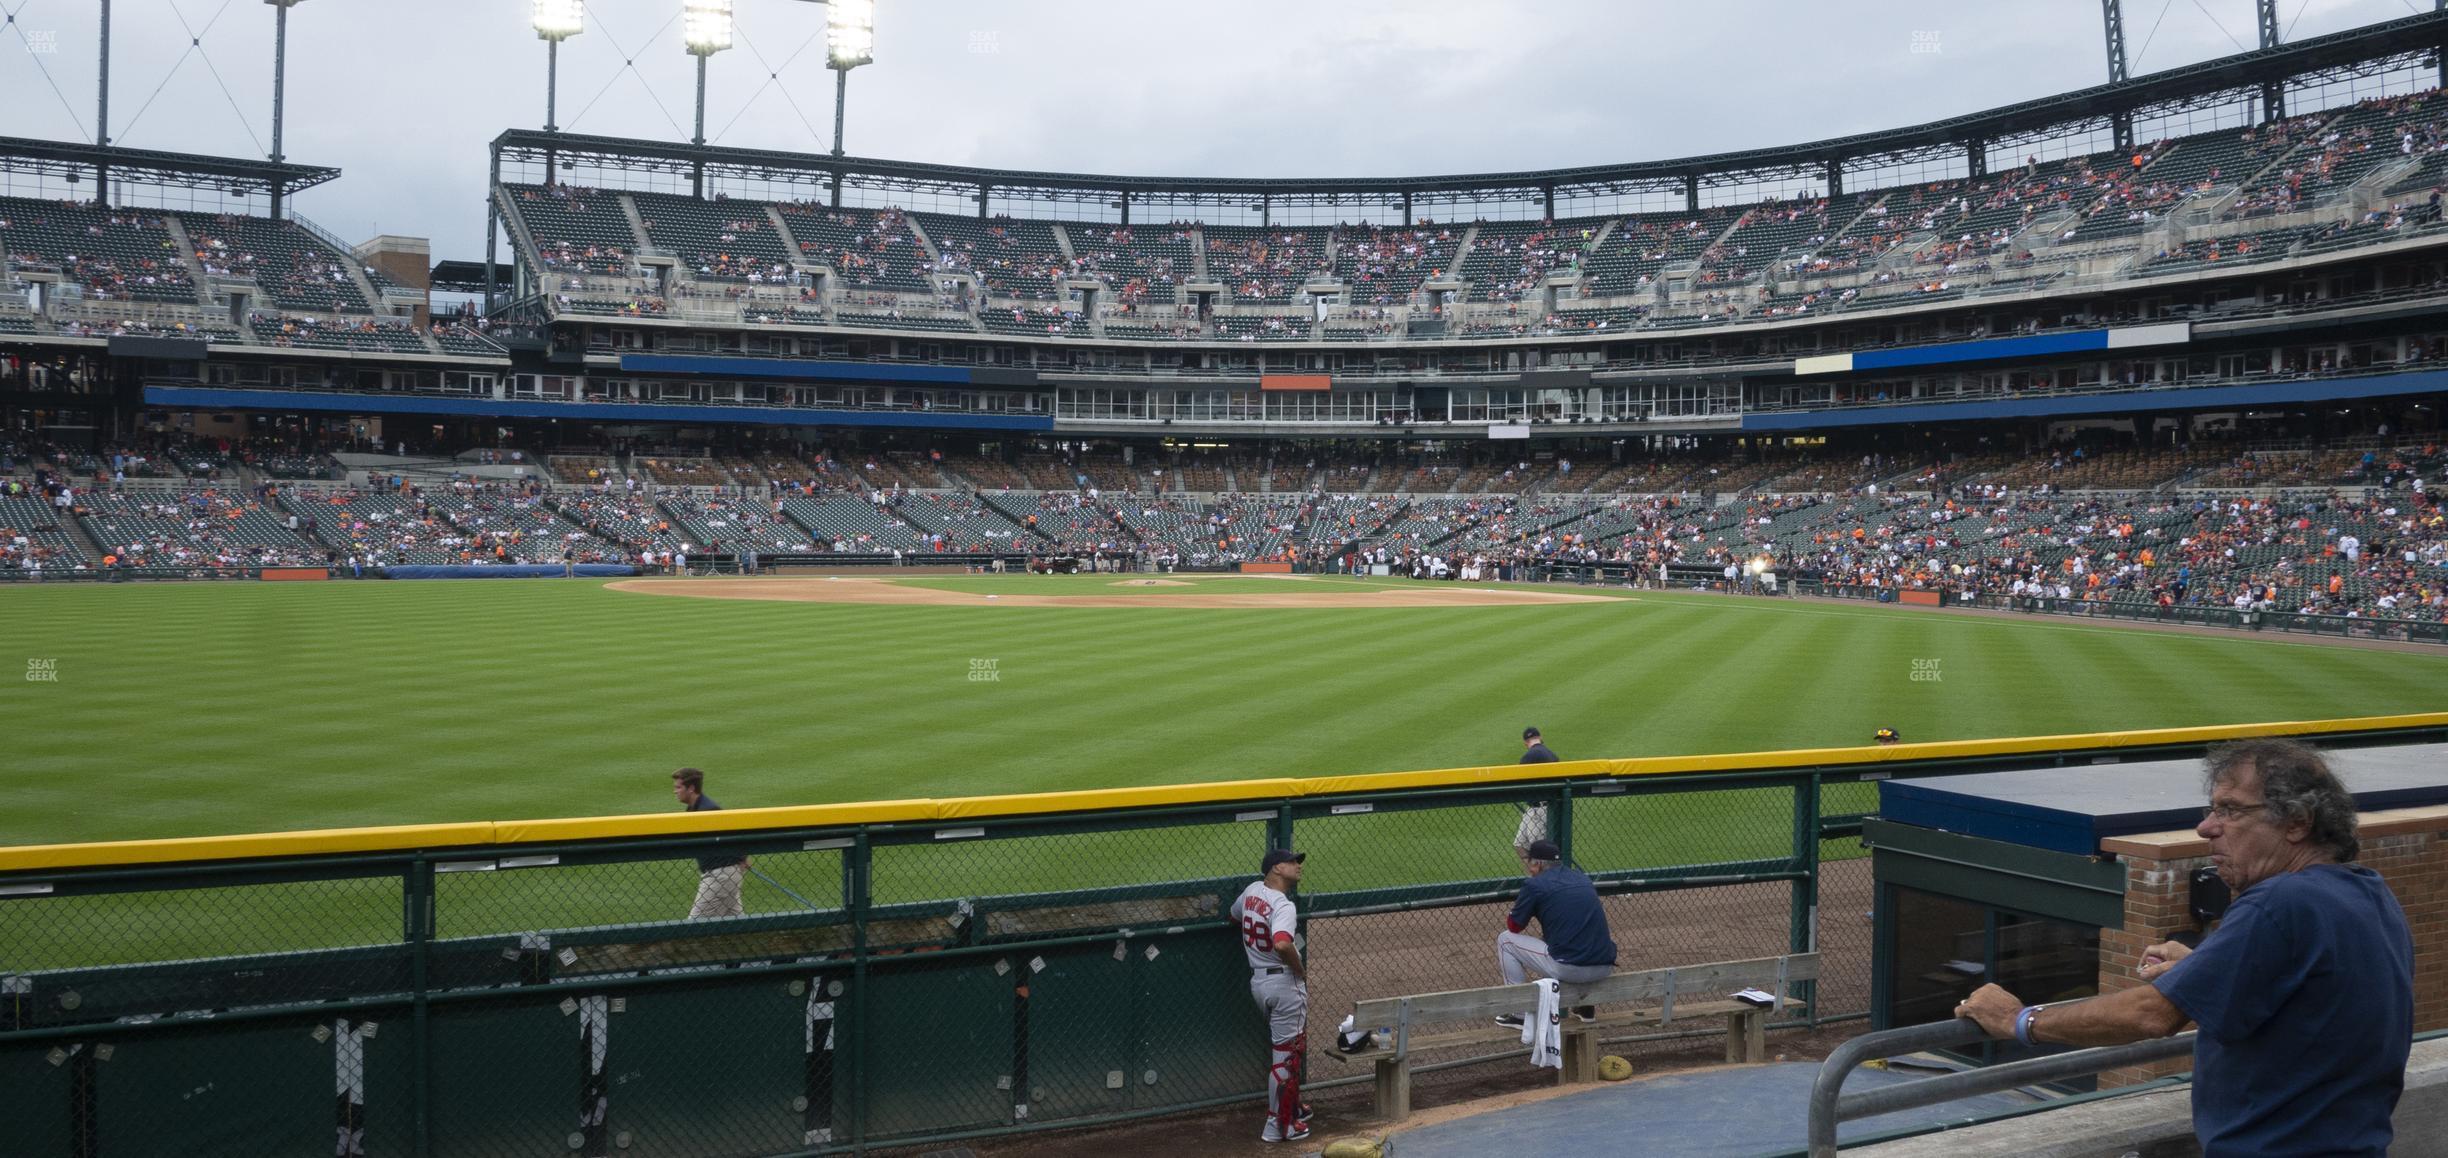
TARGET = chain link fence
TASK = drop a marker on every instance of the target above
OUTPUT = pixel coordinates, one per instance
(878, 985)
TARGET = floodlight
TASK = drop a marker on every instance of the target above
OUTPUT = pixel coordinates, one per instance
(705, 26)
(849, 33)
(558, 20)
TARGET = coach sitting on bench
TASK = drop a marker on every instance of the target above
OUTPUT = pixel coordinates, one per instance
(1578, 949)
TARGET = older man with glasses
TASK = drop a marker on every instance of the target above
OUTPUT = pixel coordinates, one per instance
(2304, 994)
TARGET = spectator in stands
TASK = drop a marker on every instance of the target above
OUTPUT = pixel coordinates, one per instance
(2305, 992)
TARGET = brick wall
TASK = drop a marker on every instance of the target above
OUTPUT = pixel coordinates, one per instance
(2407, 847)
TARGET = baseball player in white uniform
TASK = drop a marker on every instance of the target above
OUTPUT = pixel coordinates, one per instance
(1279, 983)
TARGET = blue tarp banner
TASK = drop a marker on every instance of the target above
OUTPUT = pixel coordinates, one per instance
(510, 571)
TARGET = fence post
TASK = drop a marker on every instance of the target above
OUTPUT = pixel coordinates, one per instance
(417, 926)
(1559, 822)
(1802, 935)
(857, 881)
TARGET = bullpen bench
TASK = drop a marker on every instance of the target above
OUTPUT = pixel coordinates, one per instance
(1659, 997)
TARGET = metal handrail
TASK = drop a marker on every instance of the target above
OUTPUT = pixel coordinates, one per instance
(1829, 1105)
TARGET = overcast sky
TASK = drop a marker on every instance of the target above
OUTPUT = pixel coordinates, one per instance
(403, 94)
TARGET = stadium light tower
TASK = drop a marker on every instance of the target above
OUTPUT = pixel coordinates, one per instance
(280, 66)
(280, 84)
(556, 21)
(849, 43)
(705, 29)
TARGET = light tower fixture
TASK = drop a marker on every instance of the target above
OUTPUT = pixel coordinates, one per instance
(705, 26)
(849, 33)
(849, 43)
(556, 21)
(705, 29)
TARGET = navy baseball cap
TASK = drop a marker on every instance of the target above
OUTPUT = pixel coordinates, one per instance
(1544, 850)
(1530, 733)
(1276, 856)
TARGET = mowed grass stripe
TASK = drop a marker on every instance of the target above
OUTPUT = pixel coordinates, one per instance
(188, 709)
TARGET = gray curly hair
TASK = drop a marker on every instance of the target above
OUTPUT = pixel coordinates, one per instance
(2296, 785)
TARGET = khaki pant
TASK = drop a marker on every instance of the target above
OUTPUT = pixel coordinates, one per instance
(718, 893)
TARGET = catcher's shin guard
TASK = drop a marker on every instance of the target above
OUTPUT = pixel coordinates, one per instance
(1284, 1082)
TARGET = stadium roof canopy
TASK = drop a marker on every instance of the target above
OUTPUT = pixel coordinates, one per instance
(2406, 42)
(236, 175)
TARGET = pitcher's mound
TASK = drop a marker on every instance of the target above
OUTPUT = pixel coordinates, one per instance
(1150, 583)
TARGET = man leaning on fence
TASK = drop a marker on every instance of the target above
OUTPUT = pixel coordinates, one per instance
(1279, 983)
(718, 877)
(2304, 994)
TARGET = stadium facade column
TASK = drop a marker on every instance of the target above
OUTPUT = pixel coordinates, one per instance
(1835, 177)
(985, 194)
(1547, 196)
(1123, 203)
(1407, 193)
(1976, 157)
(1691, 192)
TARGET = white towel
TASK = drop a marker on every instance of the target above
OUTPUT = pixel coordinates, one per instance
(1540, 1030)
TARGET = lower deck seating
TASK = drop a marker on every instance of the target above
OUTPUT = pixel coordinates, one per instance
(202, 528)
(32, 539)
(736, 526)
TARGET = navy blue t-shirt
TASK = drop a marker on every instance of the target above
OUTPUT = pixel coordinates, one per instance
(1570, 920)
(2305, 999)
(707, 864)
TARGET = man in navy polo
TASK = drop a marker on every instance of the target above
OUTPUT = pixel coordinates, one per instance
(2305, 992)
(1576, 949)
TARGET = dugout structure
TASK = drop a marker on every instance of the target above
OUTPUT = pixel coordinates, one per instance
(909, 971)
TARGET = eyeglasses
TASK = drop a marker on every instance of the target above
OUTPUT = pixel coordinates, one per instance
(2232, 812)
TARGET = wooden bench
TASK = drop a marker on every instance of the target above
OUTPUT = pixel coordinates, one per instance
(1661, 996)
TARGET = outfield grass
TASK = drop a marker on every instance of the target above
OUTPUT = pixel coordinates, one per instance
(215, 708)
(182, 710)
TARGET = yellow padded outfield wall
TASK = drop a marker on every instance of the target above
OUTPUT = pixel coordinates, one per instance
(477, 834)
